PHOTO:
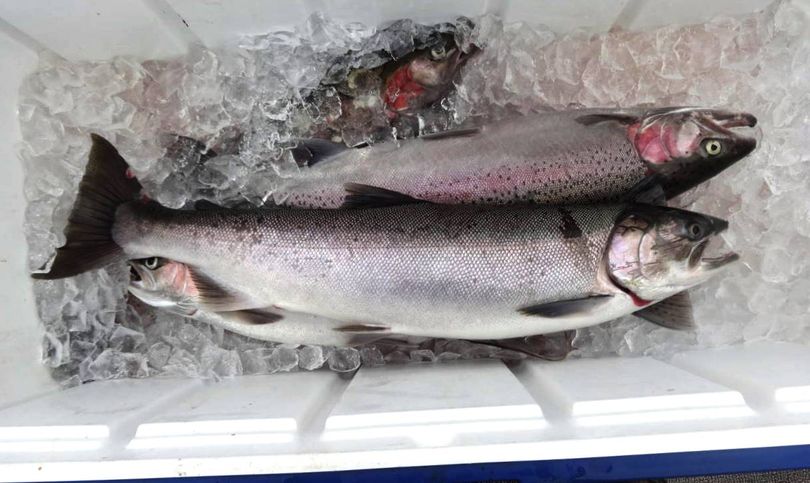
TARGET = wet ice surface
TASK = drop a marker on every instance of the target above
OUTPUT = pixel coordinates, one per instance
(247, 101)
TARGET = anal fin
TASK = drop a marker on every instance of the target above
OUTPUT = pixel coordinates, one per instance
(673, 313)
(551, 347)
(363, 333)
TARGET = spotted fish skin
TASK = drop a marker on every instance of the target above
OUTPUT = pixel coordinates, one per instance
(426, 270)
(567, 157)
(545, 158)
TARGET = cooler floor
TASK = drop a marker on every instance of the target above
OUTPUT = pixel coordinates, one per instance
(412, 415)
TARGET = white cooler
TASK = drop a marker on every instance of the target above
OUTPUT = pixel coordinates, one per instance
(750, 396)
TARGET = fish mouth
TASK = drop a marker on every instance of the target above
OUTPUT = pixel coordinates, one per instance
(714, 263)
(134, 274)
(729, 119)
(721, 118)
(698, 259)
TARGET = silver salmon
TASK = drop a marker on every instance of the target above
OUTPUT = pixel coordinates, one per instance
(414, 269)
(580, 156)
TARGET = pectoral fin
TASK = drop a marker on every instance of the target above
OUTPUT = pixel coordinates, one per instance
(253, 316)
(563, 308)
(213, 295)
(649, 190)
(673, 313)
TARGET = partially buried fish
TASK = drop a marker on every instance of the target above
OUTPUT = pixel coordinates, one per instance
(578, 156)
(422, 269)
(395, 94)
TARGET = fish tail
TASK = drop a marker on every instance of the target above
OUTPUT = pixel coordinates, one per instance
(108, 183)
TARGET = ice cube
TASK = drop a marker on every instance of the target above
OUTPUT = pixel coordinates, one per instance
(397, 357)
(311, 357)
(124, 339)
(158, 355)
(371, 356)
(423, 355)
(448, 356)
(344, 359)
(182, 363)
(283, 359)
(112, 364)
(72, 381)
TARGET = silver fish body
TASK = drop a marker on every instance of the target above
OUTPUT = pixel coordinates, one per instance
(568, 157)
(425, 270)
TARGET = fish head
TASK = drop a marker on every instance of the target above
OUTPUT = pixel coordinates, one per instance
(425, 77)
(686, 146)
(163, 283)
(436, 66)
(655, 252)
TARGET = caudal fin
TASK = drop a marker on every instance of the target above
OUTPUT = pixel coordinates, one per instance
(107, 183)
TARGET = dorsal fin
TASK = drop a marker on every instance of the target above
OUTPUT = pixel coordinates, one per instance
(452, 133)
(205, 205)
(365, 196)
(591, 119)
(311, 151)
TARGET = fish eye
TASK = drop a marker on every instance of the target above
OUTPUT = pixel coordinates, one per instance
(713, 147)
(438, 52)
(151, 263)
(695, 231)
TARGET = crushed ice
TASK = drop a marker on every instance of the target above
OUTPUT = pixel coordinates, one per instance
(245, 103)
